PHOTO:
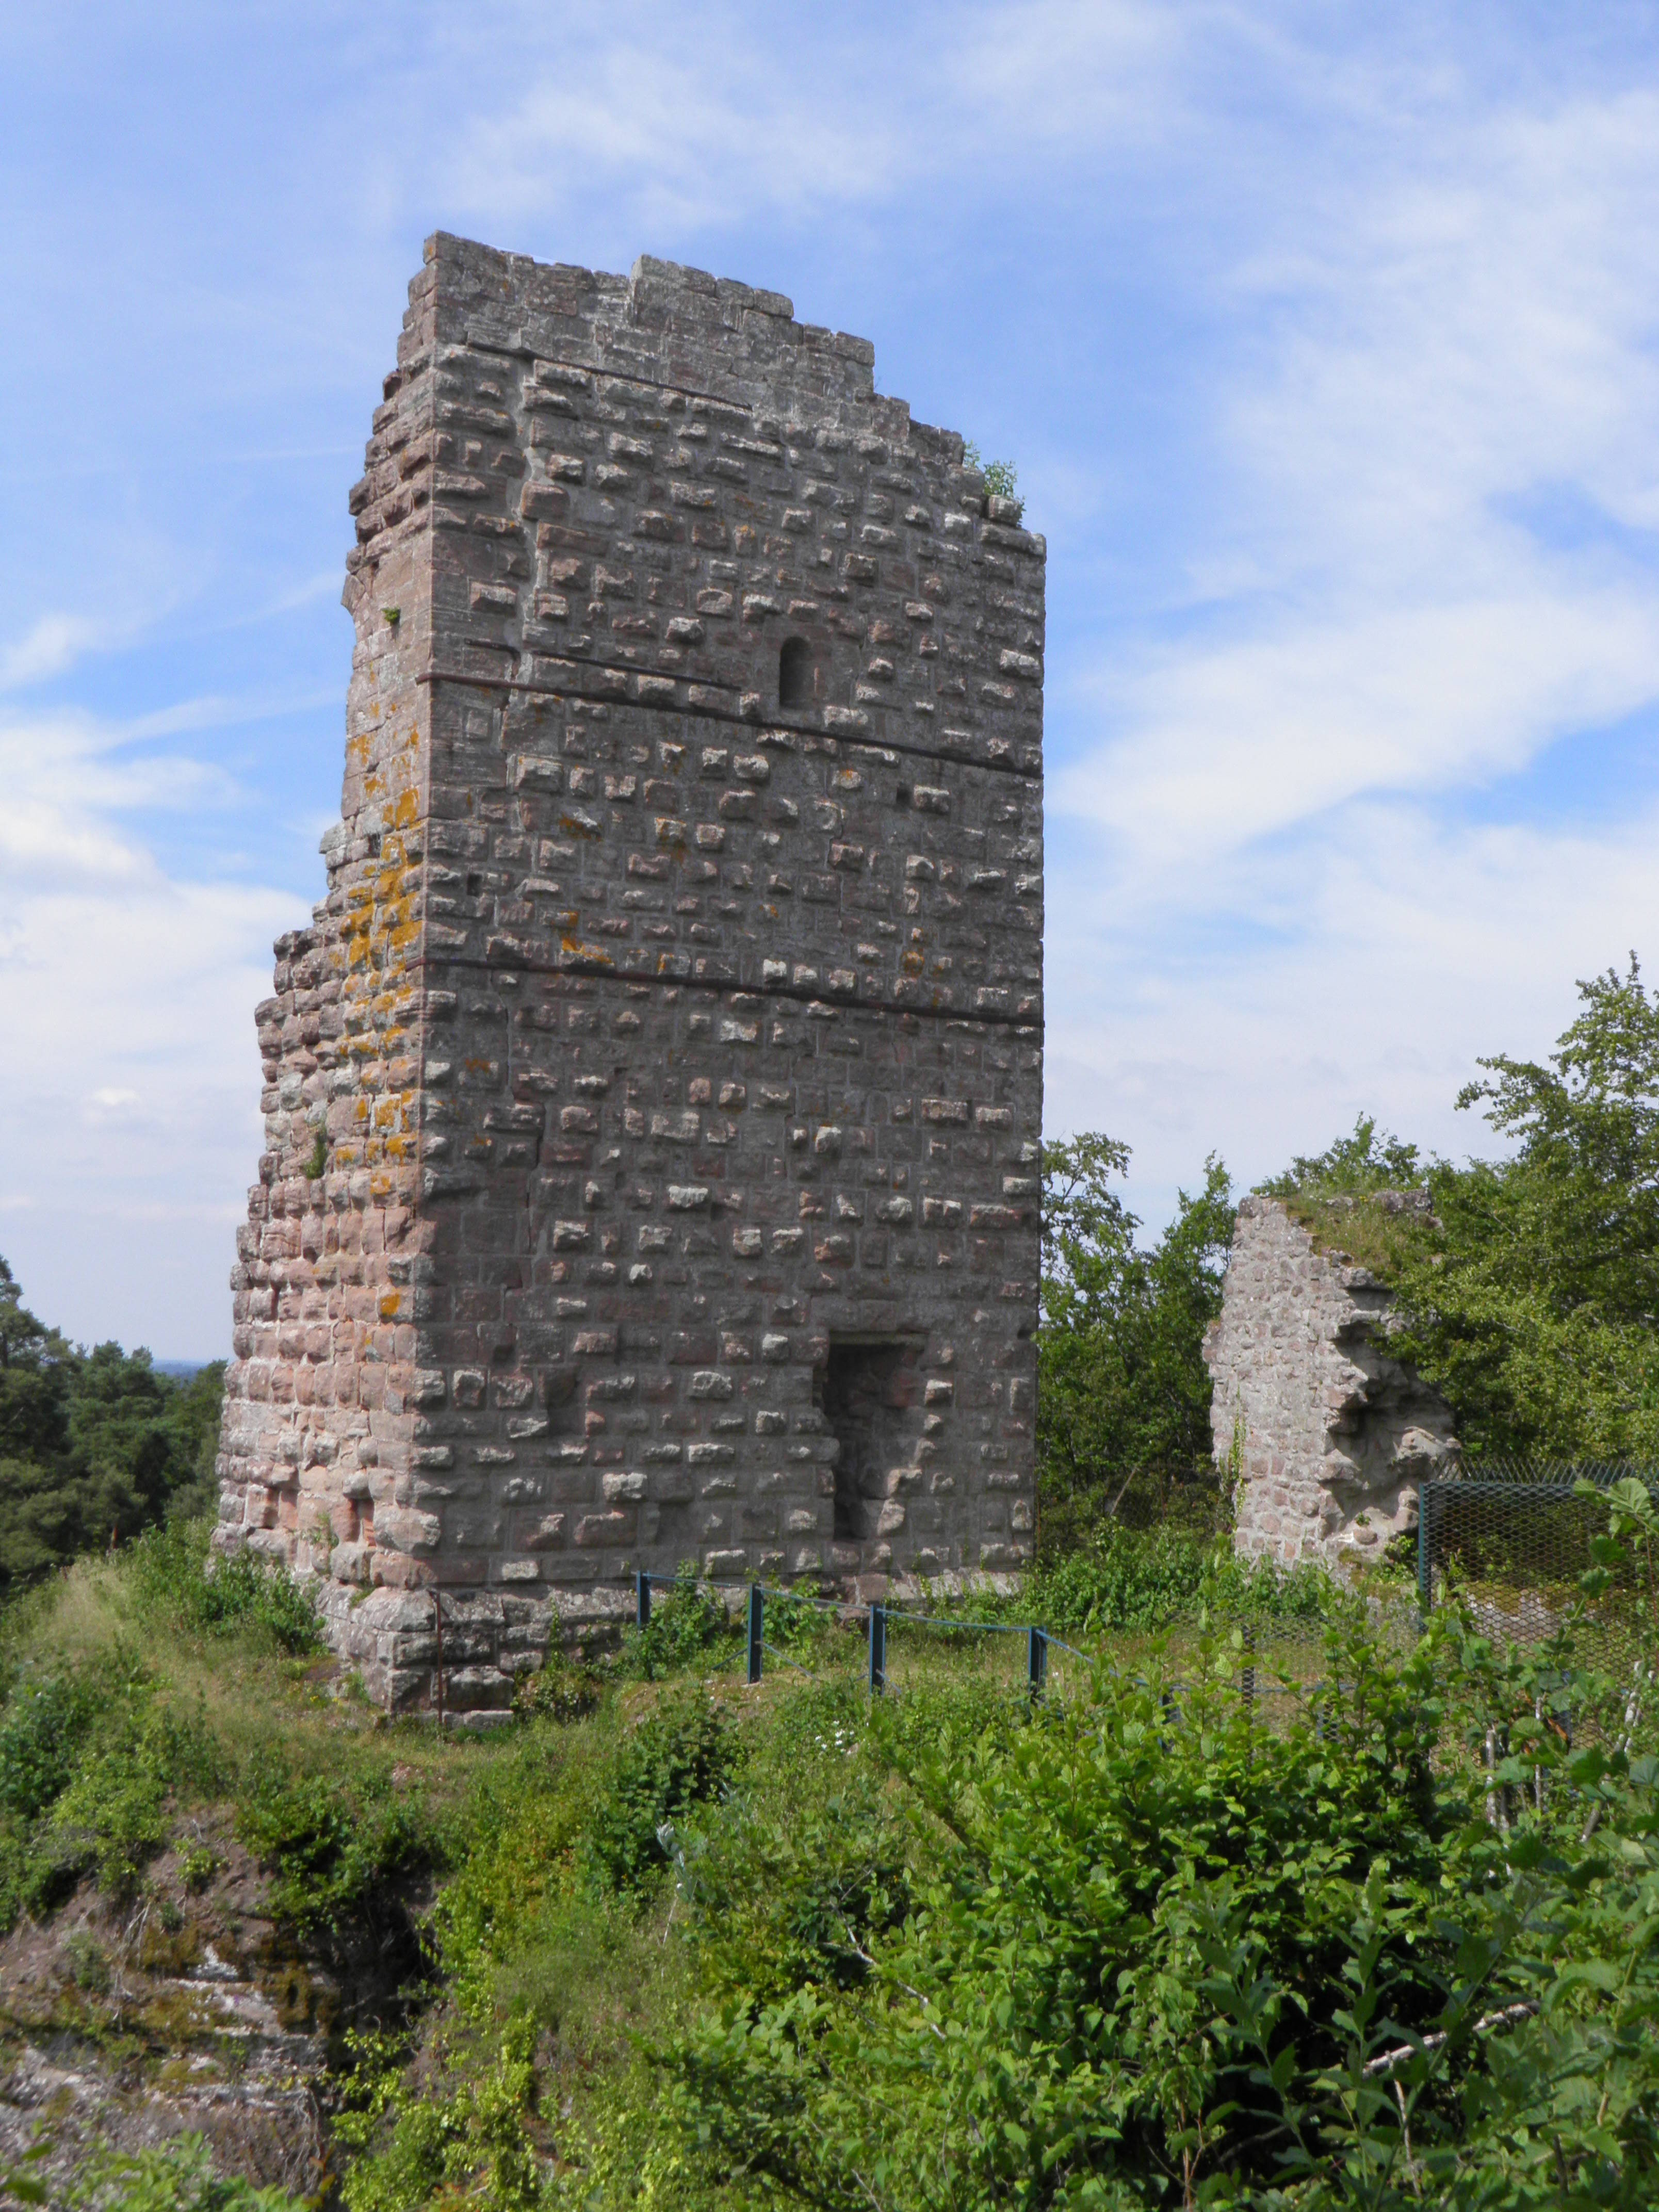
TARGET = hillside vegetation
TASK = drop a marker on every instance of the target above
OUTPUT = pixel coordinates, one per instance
(1382, 1934)
(681, 1943)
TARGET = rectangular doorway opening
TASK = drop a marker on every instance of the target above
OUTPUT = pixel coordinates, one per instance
(866, 1389)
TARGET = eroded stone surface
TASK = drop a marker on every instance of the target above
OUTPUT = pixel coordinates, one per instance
(672, 1021)
(1330, 1435)
(186, 2010)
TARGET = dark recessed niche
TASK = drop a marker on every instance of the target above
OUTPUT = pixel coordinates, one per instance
(866, 1391)
(903, 795)
(795, 673)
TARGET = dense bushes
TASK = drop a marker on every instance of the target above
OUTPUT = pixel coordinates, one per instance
(102, 1745)
(1128, 1946)
(955, 1950)
(678, 1756)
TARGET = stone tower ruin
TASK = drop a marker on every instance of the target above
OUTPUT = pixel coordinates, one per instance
(652, 1106)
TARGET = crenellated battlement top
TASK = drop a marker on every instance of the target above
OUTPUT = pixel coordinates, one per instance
(662, 323)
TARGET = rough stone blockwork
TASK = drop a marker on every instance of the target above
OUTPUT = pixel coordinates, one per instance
(1330, 1435)
(652, 1107)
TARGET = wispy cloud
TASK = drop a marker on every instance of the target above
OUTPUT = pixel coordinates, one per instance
(130, 1079)
(55, 644)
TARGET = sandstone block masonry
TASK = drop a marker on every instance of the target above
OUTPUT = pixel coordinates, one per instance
(652, 1106)
(1329, 1435)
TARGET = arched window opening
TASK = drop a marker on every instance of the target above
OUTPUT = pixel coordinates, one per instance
(795, 673)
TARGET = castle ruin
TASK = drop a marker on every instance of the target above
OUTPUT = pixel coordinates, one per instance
(652, 1106)
(1328, 1436)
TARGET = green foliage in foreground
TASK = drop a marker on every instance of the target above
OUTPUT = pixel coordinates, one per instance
(94, 1446)
(952, 1952)
(1393, 1944)
(173, 1575)
(178, 2176)
(100, 1748)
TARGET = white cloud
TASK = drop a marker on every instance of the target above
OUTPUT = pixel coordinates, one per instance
(67, 785)
(1410, 947)
(692, 121)
(1234, 742)
(128, 1110)
(55, 644)
(1435, 442)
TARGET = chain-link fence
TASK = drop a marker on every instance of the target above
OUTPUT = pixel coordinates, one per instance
(1511, 1541)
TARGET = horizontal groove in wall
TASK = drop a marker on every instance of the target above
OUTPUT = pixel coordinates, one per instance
(596, 971)
(705, 713)
(607, 375)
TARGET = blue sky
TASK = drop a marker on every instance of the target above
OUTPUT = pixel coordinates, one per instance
(1325, 341)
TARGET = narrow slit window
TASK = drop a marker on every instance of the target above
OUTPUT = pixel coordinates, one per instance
(795, 673)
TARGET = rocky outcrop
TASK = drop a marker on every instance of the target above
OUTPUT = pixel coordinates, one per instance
(189, 2009)
(1328, 1436)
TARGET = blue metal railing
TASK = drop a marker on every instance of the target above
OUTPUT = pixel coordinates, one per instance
(1038, 1640)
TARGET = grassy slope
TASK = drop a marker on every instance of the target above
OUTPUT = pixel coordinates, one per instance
(659, 1860)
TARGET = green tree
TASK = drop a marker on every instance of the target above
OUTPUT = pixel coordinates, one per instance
(94, 1446)
(1533, 1296)
(36, 1367)
(1530, 1294)
(1353, 1166)
(1123, 1395)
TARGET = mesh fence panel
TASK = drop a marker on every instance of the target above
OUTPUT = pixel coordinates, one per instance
(1511, 1541)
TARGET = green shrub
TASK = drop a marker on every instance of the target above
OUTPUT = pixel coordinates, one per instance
(687, 1628)
(1263, 1589)
(1125, 1580)
(788, 1880)
(561, 1689)
(329, 1843)
(176, 2176)
(114, 1812)
(175, 1576)
(797, 1625)
(680, 1755)
(425, 2149)
(88, 1962)
(42, 1728)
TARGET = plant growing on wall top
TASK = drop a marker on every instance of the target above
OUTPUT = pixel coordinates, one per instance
(1001, 477)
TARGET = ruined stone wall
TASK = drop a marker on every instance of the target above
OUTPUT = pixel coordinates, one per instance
(675, 1010)
(1330, 1435)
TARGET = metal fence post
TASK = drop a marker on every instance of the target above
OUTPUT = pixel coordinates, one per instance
(642, 1598)
(1036, 1659)
(1247, 1680)
(756, 1619)
(877, 1649)
(1424, 1553)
